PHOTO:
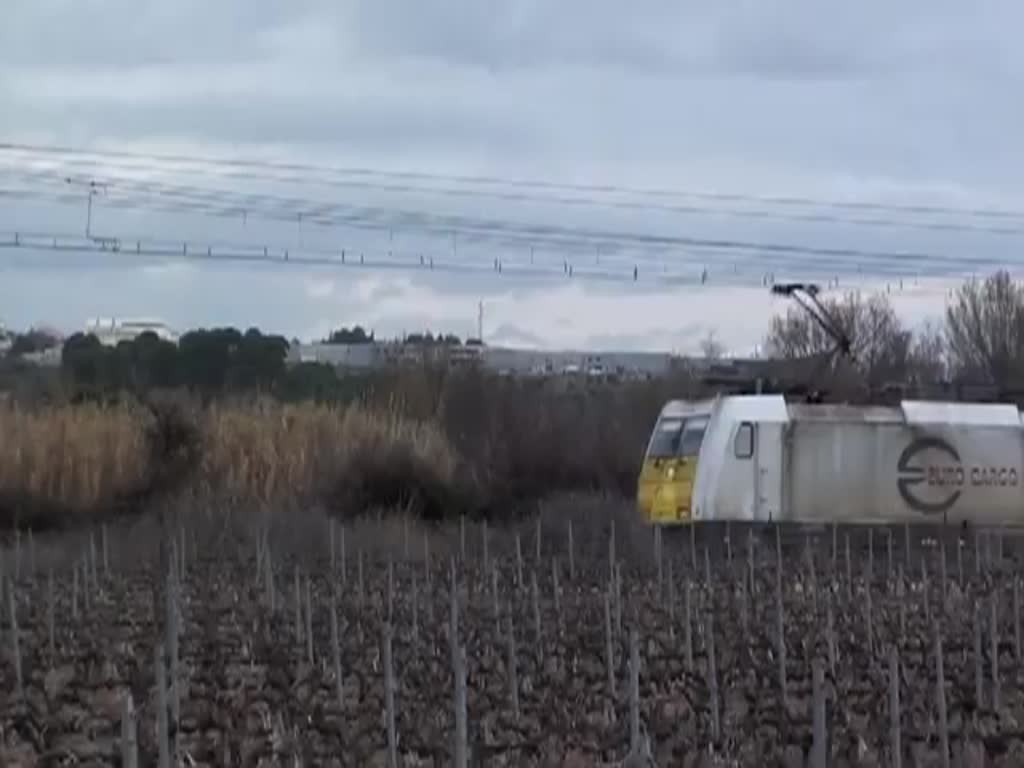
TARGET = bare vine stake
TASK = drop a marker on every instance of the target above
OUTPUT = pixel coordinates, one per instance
(405, 537)
(309, 621)
(830, 635)
(993, 632)
(835, 552)
(129, 734)
(926, 590)
(494, 597)
(977, 554)
(728, 543)
(634, 692)
(426, 563)
(556, 590)
(693, 547)
(31, 555)
(86, 601)
(330, 543)
(339, 681)
(895, 739)
(901, 598)
(609, 646)
(17, 554)
(871, 558)
(688, 635)
(889, 555)
(657, 559)
(74, 591)
(611, 550)
(979, 694)
(93, 560)
(297, 593)
(819, 745)
(849, 570)
(942, 573)
(812, 578)
(960, 561)
(268, 572)
(572, 556)
(941, 697)
(12, 601)
(906, 546)
(713, 679)
(1016, 618)
(173, 646)
(462, 538)
(671, 605)
(461, 715)
(751, 573)
(744, 610)
(780, 633)
(537, 554)
(453, 608)
(51, 622)
(519, 563)
(513, 674)
(869, 621)
(618, 601)
(163, 735)
(535, 599)
(486, 548)
(344, 556)
(389, 699)
(415, 609)
(360, 585)
(707, 566)
(391, 590)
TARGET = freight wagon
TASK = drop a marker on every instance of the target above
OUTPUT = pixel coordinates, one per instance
(760, 458)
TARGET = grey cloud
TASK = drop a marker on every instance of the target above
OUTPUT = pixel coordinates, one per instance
(903, 102)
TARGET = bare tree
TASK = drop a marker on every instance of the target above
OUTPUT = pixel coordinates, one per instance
(711, 348)
(985, 330)
(928, 360)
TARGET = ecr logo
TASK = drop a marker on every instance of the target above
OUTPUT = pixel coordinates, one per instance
(948, 475)
(945, 479)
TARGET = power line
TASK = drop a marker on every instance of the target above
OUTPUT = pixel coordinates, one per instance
(266, 169)
(174, 198)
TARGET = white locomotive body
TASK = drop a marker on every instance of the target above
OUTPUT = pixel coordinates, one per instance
(763, 459)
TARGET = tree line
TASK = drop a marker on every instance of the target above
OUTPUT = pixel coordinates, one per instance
(979, 339)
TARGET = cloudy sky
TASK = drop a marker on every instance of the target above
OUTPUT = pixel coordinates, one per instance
(723, 108)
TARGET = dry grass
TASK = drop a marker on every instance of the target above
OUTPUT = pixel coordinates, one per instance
(269, 452)
(72, 456)
(440, 445)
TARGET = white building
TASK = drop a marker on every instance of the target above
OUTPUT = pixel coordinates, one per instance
(111, 331)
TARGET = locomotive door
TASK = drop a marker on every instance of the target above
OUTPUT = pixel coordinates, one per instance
(768, 469)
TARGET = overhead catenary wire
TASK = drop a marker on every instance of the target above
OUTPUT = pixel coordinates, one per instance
(643, 253)
(311, 172)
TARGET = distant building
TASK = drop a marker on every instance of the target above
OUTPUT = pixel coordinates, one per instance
(112, 331)
(351, 356)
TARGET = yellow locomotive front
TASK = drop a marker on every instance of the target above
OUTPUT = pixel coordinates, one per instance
(665, 486)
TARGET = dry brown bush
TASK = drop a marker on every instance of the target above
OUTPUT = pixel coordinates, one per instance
(72, 456)
(437, 443)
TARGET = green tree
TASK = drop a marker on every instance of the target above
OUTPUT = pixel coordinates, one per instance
(355, 335)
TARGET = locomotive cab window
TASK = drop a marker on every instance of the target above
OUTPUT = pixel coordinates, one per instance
(693, 435)
(665, 441)
(743, 444)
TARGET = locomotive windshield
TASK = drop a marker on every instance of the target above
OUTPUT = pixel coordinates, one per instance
(665, 441)
(675, 437)
(693, 435)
